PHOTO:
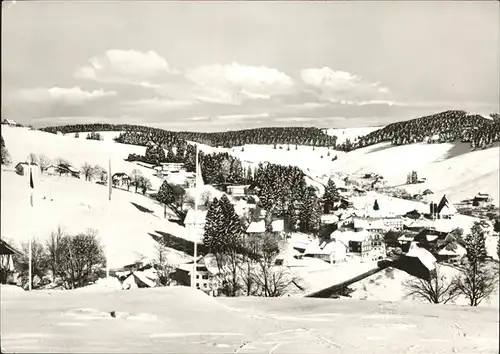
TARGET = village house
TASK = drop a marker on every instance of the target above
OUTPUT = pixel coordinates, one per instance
(452, 252)
(332, 252)
(68, 170)
(237, 190)
(7, 253)
(121, 179)
(358, 243)
(481, 198)
(23, 169)
(172, 166)
(205, 276)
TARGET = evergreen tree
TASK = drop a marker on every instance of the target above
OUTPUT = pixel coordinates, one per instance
(296, 147)
(408, 178)
(170, 155)
(331, 196)
(214, 228)
(5, 157)
(180, 152)
(310, 212)
(375, 205)
(165, 196)
(249, 178)
(293, 216)
(475, 244)
(77, 135)
(498, 248)
(414, 177)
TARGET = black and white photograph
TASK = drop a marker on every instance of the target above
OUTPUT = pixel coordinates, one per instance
(250, 177)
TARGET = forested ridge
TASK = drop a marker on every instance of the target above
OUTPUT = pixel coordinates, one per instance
(447, 126)
(142, 135)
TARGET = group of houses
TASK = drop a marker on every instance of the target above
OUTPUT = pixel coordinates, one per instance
(357, 234)
(23, 168)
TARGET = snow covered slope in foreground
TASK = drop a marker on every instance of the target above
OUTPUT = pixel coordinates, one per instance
(182, 320)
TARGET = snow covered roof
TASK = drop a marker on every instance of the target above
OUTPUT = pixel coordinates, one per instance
(423, 255)
(195, 216)
(346, 236)
(278, 225)
(256, 227)
(458, 251)
(444, 225)
(329, 218)
(332, 247)
(406, 238)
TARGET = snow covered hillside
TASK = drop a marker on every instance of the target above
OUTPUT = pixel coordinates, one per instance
(76, 205)
(178, 319)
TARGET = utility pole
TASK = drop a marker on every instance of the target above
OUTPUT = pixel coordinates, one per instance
(194, 232)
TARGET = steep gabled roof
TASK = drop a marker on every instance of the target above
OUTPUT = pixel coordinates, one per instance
(446, 207)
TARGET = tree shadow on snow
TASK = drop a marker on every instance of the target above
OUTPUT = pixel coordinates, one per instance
(178, 243)
(143, 209)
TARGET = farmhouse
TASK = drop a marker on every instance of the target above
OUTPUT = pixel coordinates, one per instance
(172, 166)
(65, 169)
(9, 122)
(481, 198)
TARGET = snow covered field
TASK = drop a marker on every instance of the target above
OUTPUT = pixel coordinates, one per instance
(352, 134)
(178, 319)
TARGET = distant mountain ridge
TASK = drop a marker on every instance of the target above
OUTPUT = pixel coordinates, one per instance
(447, 126)
(142, 135)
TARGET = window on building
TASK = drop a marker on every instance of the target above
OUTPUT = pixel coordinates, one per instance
(204, 276)
(197, 276)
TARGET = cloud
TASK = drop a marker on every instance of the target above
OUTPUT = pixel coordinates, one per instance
(157, 104)
(126, 67)
(342, 86)
(71, 96)
(234, 83)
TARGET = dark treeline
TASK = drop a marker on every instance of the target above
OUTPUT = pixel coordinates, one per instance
(449, 125)
(141, 135)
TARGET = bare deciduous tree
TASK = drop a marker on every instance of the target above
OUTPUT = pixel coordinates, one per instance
(162, 266)
(54, 251)
(438, 289)
(136, 175)
(88, 171)
(477, 281)
(33, 158)
(270, 279)
(44, 162)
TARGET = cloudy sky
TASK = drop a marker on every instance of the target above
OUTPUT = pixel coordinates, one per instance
(212, 66)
